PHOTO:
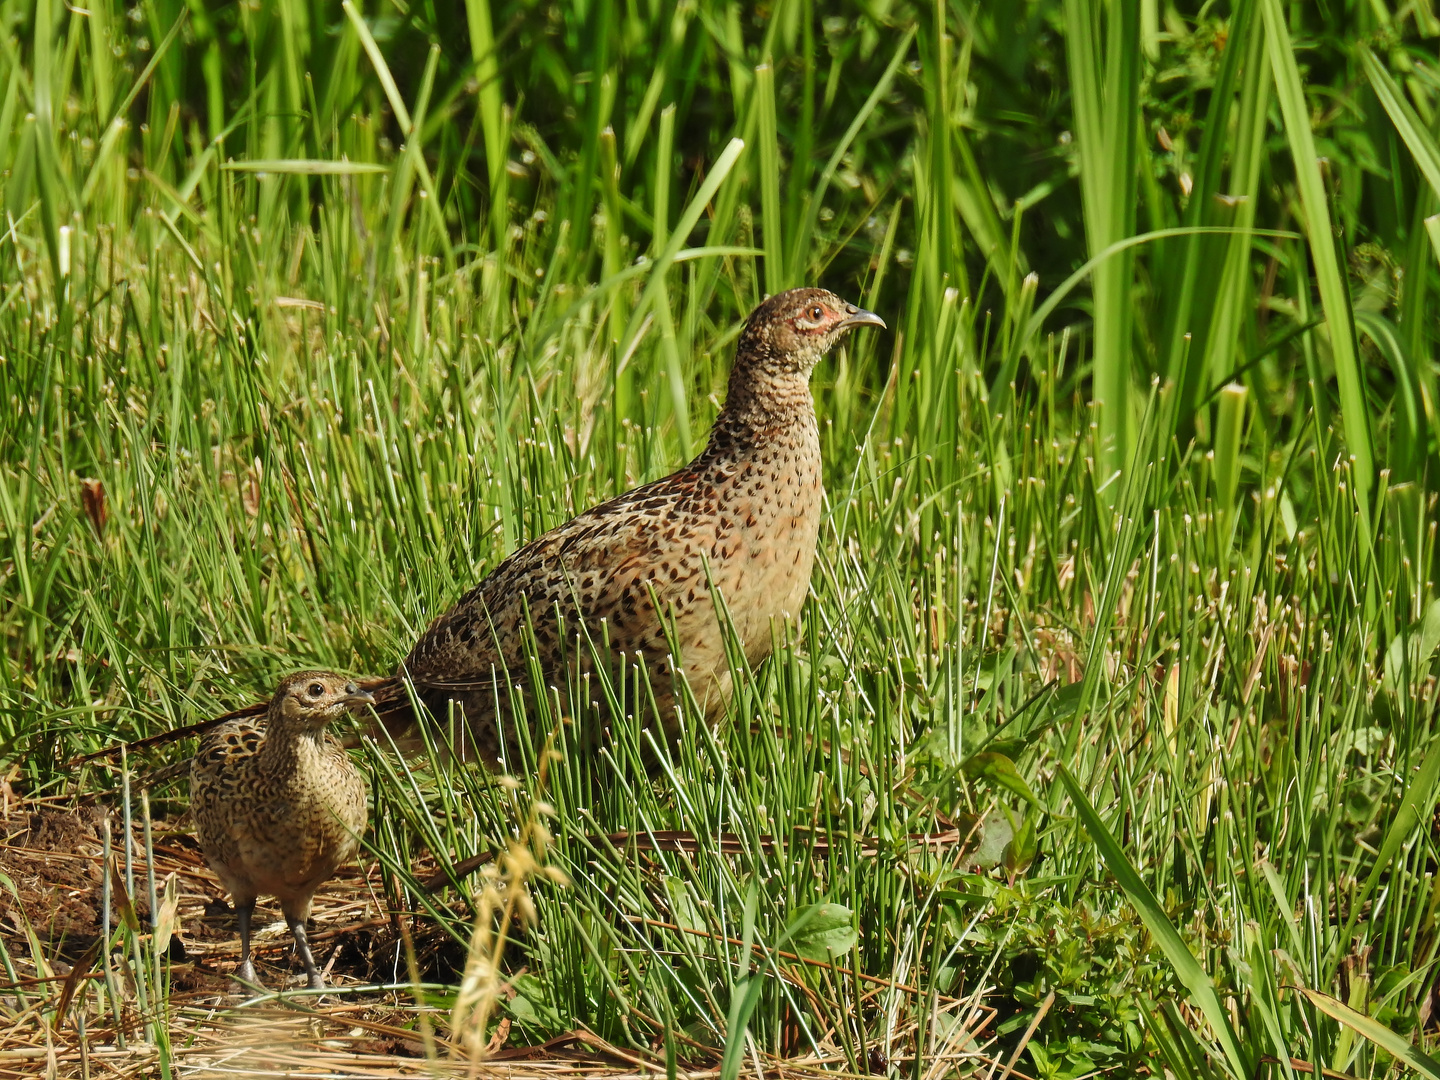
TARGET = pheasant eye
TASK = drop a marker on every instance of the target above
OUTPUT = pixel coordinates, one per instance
(817, 313)
(316, 689)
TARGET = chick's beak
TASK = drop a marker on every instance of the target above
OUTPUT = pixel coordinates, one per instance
(860, 317)
(355, 696)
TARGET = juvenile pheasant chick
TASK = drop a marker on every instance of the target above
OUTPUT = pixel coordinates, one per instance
(278, 805)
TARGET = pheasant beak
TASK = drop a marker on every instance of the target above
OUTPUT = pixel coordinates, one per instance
(860, 317)
(355, 696)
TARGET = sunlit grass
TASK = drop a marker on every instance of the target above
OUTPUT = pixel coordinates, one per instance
(308, 317)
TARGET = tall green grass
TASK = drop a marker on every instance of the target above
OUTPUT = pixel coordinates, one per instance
(307, 317)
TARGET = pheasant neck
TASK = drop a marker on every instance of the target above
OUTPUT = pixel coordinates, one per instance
(288, 742)
(763, 407)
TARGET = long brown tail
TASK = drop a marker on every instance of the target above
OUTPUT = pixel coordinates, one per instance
(392, 706)
(173, 735)
(393, 718)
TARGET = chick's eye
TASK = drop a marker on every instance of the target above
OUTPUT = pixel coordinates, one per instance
(817, 313)
(316, 689)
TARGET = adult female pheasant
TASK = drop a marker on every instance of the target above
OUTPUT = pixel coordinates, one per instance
(740, 521)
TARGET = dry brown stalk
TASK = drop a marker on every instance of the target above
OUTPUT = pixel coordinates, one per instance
(503, 897)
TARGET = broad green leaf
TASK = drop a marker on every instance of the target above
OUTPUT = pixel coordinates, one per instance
(1421, 640)
(828, 931)
(1024, 845)
(994, 835)
(532, 1008)
(1000, 771)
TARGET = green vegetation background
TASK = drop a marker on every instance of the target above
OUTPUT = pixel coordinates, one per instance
(308, 315)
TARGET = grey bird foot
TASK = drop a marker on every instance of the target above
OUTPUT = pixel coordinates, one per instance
(245, 973)
(315, 979)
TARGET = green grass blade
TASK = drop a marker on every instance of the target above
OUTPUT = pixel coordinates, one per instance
(1229, 432)
(382, 69)
(307, 167)
(1329, 275)
(492, 111)
(768, 144)
(1106, 81)
(1418, 139)
(688, 220)
(1057, 296)
(806, 232)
